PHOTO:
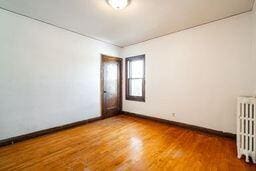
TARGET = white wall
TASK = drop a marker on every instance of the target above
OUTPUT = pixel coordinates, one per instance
(254, 42)
(48, 76)
(197, 73)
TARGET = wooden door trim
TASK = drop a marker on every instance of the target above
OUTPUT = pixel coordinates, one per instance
(102, 82)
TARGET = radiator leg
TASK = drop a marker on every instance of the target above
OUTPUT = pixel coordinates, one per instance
(247, 159)
(254, 159)
(239, 155)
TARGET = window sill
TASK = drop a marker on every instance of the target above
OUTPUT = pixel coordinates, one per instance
(138, 99)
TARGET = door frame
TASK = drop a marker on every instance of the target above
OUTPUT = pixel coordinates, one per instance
(102, 82)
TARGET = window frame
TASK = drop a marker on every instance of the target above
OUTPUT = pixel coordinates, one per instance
(128, 96)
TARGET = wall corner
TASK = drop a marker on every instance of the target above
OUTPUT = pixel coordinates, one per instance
(254, 7)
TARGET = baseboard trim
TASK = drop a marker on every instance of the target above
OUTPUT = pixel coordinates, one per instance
(24, 137)
(183, 125)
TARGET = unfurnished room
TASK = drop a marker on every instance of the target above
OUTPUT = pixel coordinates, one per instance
(140, 85)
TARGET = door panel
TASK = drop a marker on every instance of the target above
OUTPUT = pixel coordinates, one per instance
(111, 85)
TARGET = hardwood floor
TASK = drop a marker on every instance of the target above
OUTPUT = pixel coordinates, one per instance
(124, 143)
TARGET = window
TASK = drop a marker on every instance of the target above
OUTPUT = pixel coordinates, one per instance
(135, 78)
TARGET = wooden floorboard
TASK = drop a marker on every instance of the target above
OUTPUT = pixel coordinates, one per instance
(124, 143)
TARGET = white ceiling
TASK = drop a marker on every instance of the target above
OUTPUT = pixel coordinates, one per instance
(140, 21)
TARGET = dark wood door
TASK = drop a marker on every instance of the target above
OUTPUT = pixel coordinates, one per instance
(111, 73)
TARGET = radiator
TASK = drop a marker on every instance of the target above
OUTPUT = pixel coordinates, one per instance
(246, 128)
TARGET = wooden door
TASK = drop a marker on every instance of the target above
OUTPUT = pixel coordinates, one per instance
(111, 78)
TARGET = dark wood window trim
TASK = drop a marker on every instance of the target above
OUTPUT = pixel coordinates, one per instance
(134, 98)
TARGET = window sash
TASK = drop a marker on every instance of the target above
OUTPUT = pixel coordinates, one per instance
(131, 69)
(130, 86)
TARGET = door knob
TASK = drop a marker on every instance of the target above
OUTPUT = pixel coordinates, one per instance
(105, 91)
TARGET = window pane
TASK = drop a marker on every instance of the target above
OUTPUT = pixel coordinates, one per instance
(136, 69)
(135, 87)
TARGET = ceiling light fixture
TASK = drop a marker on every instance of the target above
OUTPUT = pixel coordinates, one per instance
(118, 4)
